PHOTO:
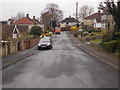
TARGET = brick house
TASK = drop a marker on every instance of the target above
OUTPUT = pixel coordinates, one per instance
(107, 22)
(13, 31)
(27, 21)
(93, 20)
(7, 22)
(12, 40)
(70, 21)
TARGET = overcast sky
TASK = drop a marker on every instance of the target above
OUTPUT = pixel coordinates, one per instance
(10, 8)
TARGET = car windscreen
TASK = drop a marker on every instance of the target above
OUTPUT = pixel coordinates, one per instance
(44, 40)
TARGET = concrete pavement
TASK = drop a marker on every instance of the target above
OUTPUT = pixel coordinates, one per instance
(13, 58)
(65, 66)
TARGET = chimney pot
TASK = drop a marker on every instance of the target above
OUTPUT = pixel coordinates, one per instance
(27, 15)
(99, 11)
(33, 17)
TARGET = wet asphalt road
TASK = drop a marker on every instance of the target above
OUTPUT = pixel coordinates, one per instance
(65, 66)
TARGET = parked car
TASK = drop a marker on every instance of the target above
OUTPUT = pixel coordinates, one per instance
(45, 43)
(48, 38)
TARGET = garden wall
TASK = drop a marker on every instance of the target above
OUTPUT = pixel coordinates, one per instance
(10, 47)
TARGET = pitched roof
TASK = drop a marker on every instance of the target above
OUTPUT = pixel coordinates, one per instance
(24, 20)
(8, 29)
(96, 16)
(69, 20)
(3, 22)
(36, 21)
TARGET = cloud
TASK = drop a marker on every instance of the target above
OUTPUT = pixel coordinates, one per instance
(34, 7)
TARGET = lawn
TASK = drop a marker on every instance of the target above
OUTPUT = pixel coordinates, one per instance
(97, 40)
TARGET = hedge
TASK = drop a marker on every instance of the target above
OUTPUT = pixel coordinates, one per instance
(111, 46)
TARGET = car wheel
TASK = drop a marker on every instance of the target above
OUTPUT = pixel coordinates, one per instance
(39, 48)
(51, 47)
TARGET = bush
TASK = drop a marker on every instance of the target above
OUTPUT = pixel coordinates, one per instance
(97, 40)
(49, 34)
(107, 37)
(111, 46)
(117, 52)
(36, 30)
(85, 34)
(92, 29)
(84, 27)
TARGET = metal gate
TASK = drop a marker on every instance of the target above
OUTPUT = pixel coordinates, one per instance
(19, 45)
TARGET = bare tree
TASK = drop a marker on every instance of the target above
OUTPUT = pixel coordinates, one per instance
(85, 11)
(54, 10)
(19, 15)
(51, 14)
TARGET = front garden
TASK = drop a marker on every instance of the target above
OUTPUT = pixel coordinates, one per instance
(106, 39)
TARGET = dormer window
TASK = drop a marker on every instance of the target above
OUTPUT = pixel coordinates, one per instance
(15, 32)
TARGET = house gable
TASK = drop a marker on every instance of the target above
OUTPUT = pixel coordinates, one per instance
(8, 30)
(68, 22)
(93, 20)
(36, 21)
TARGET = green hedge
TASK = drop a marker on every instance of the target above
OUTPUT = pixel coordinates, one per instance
(111, 46)
(36, 30)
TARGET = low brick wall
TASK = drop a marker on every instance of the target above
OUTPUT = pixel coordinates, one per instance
(15, 47)
(9, 48)
(34, 42)
(30, 43)
(3, 51)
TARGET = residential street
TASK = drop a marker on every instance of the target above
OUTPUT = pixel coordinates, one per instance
(64, 66)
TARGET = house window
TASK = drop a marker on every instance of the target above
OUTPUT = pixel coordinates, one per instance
(14, 35)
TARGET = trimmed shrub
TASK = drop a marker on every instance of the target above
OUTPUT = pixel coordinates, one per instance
(36, 30)
(92, 29)
(111, 46)
(85, 34)
(84, 27)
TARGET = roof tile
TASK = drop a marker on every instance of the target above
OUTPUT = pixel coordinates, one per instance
(69, 20)
(94, 16)
(24, 20)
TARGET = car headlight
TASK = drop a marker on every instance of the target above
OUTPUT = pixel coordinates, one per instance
(39, 44)
(48, 44)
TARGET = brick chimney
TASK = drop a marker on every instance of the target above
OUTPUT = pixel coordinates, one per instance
(99, 11)
(27, 15)
(33, 17)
